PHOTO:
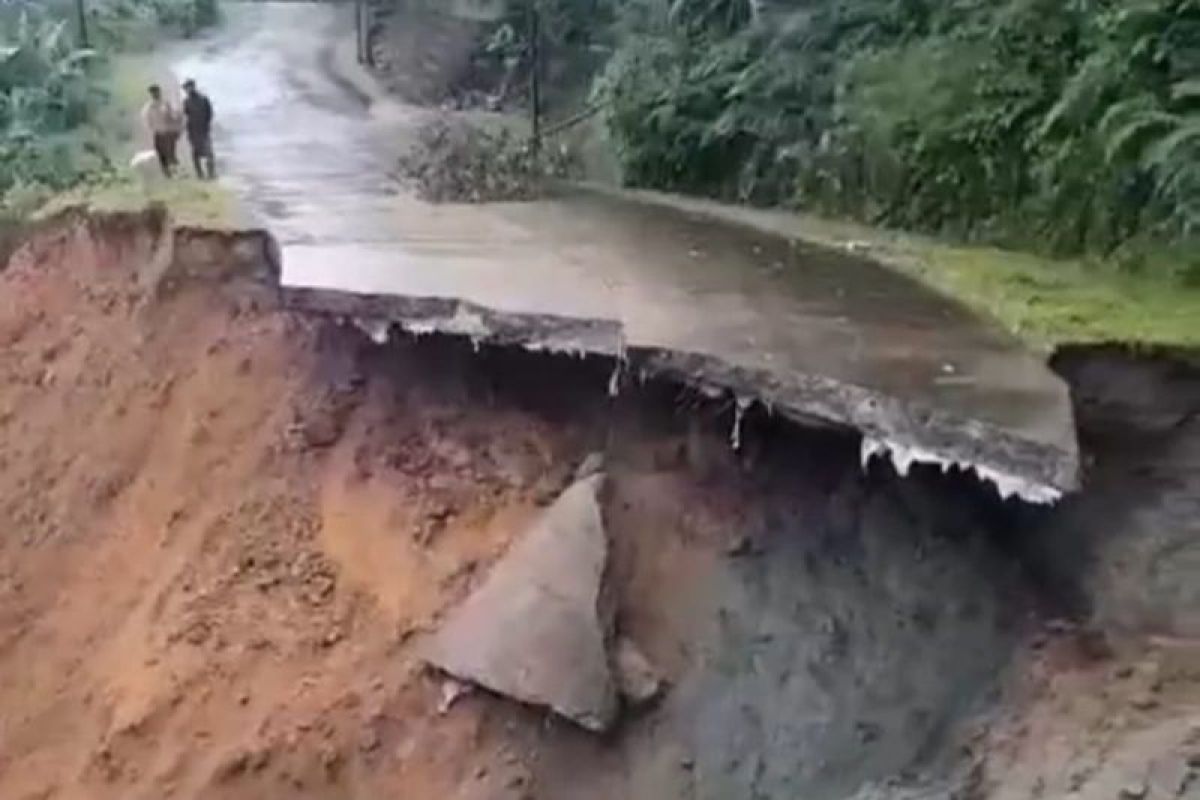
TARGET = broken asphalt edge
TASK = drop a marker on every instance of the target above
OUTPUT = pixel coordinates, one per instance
(1036, 472)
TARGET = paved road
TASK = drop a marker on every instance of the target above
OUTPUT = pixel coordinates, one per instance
(814, 332)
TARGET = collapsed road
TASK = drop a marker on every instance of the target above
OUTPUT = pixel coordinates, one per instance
(238, 536)
(742, 311)
(257, 552)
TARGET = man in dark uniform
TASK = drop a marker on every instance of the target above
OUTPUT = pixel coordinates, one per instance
(198, 117)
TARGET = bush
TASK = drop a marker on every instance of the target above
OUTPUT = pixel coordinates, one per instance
(465, 163)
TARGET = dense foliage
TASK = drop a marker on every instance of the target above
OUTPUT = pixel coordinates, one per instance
(1075, 123)
(50, 86)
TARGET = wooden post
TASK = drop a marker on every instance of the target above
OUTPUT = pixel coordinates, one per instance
(535, 78)
(368, 24)
(81, 12)
(359, 36)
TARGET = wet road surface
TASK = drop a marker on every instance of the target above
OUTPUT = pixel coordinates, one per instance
(810, 331)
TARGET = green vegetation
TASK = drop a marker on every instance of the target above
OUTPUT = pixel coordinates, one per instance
(59, 120)
(1048, 302)
(1065, 128)
(1071, 125)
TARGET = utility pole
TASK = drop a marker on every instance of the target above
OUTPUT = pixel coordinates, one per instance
(83, 28)
(535, 78)
(359, 34)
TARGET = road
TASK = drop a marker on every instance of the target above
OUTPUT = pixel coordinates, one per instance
(814, 333)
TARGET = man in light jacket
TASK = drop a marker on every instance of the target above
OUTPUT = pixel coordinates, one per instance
(163, 123)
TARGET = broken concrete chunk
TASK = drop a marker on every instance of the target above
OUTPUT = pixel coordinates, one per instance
(533, 631)
(639, 682)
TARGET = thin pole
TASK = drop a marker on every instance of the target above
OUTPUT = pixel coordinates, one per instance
(535, 82)
(83, 31)
(359, 38)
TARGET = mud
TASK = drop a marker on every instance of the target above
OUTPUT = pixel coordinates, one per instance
(1126, 553)
(230, 526)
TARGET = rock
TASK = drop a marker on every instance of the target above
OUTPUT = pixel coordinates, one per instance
(592, 465)
(451, 692)
(1135, 790)
(233, 765)
(740, 545)
(1146, 701)
(533, 630)
(1169, 776)
(637, 679)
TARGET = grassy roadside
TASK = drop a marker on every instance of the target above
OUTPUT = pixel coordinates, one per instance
(1049, 302)
(1043, 301)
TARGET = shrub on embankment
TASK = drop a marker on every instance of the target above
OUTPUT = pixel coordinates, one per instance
(51, 88)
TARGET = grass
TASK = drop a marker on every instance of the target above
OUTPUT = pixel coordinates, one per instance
(1048, 302)
(191, 202)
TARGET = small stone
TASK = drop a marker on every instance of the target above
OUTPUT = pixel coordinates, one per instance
(867, 732)
(592, 465)
(369, 741)
(405, 632)
(233, 765)
(441, 512)
(260, 759)
(331, 761)
(1145, 702)
(637, 680)
(1135, 790)
(1168, 776)
(452, 691)
(740, 546)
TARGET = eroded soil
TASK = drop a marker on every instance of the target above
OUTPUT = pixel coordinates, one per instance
(226, 529)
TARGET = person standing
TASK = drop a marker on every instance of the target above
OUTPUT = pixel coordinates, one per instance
(198, 113)
(162, 123)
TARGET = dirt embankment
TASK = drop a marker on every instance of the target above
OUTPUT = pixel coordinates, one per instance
(226, 529)
(1126, 553)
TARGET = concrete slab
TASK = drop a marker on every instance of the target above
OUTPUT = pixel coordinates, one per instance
(533, 630)
(815, 334)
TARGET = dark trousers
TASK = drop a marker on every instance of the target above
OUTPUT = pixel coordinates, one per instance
(203, 160)
(164, 146)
